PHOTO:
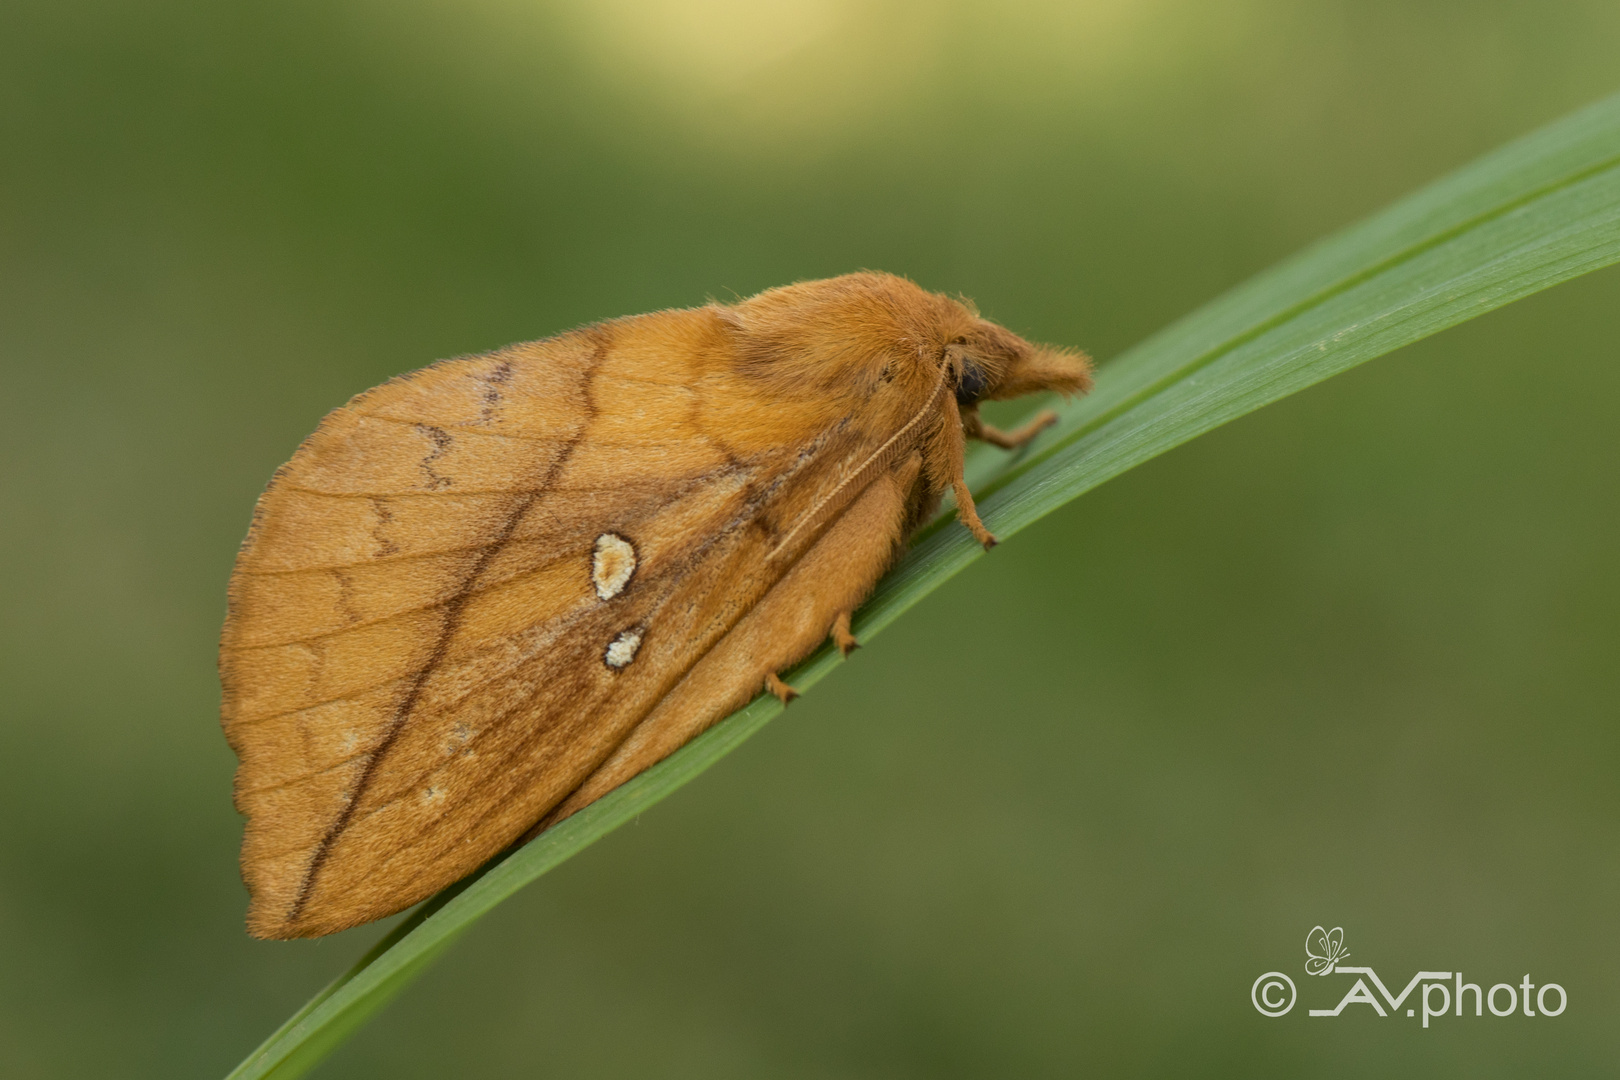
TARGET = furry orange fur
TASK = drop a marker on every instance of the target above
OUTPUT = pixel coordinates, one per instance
(485, 594)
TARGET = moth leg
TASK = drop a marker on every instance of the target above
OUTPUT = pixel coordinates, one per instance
(969, 514)
(1007, 440)
(833, 576)
(951, 446)
(841, 635)
(781, 689)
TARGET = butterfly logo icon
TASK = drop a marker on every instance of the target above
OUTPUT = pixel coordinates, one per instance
(1323, 949)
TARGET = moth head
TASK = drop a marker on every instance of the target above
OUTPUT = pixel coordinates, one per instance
(991, 363)
(856, 334)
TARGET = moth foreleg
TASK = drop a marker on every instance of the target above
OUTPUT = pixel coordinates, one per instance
(1008, 440)
(841, 635)
(782, 690)
(948, 450)
(969, 514)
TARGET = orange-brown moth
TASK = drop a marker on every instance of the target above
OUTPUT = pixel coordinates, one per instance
(485, 594)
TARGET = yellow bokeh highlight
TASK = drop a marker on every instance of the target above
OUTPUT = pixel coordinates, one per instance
(758, 76)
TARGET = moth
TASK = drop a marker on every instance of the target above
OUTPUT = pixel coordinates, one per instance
(484, 594)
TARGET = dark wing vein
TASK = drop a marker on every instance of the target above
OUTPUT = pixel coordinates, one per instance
(453, 610)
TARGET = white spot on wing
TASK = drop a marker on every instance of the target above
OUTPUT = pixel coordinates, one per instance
(613, 563)
(622, 649)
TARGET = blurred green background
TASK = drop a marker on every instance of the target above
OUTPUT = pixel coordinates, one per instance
(1351, 661)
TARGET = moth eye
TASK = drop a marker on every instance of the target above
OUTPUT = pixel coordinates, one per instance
(970, 384)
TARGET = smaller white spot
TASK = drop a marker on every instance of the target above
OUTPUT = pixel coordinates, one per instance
(432, 794)
(613, 563)
(622, 649)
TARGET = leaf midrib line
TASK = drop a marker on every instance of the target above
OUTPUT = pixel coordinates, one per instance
(1317, 299)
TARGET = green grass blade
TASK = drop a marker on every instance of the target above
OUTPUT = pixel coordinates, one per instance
(1535, 213)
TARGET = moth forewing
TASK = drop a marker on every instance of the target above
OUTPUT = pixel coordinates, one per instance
(484, 594)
